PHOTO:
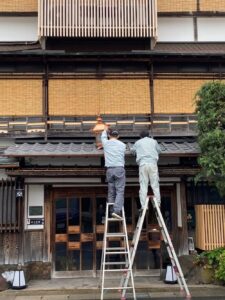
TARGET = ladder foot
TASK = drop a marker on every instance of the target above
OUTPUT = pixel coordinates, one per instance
(123, 298)
(188, 296)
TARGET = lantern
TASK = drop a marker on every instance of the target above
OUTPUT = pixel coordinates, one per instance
(19, 279)
(99, 127)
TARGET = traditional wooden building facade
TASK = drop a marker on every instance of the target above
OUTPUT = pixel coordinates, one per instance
(138, 65)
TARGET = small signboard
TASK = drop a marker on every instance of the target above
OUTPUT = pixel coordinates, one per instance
(37, 221)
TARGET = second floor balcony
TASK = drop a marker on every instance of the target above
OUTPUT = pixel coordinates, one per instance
(98, 18)
(162, 125)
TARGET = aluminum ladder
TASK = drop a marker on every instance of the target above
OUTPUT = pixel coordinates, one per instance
(133, 248)
(170, 249)
(168, 243)
(125, 265)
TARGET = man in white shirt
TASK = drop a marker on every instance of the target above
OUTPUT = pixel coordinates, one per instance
(114, 153)
(147, 154)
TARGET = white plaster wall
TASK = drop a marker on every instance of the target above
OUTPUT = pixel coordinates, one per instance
(211, 29)
(174, 29)
(18, 29)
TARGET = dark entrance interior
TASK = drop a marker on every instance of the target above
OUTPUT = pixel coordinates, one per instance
(78, 218)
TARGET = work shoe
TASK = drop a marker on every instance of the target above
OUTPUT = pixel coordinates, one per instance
(117, 215)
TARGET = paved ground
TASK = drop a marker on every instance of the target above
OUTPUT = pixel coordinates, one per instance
(86, 289)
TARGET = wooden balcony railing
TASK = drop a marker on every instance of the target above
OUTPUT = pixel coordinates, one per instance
(97, 18)
(161, 125)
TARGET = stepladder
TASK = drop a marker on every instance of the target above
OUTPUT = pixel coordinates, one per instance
(116, 257)
(133, 247)
(170, 248)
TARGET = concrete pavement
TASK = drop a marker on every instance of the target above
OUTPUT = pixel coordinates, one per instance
(87, 289)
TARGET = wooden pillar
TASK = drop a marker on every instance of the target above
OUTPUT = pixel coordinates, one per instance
(179, 207)
(182, 219)
(45, 98)
(47, 253)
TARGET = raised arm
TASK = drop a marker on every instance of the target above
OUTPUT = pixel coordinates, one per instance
(104, 137)
(158, 148)
(133, 149)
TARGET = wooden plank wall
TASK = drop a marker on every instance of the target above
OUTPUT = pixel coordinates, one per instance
(22, 246)
(9, 246)
(98, 18)
(210, 226)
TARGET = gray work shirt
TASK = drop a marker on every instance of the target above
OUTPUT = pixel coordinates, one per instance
(114, 151)
(147, 151)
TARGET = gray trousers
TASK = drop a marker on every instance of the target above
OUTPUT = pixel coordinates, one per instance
(116, 184)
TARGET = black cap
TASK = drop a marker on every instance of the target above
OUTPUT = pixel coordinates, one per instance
(113, 132)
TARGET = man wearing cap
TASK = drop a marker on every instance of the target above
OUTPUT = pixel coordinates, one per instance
(147, 154)
(114, 153)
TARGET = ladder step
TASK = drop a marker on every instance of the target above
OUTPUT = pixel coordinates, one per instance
(117, 288)
(115, 263)
(115, 234)
(117, 270)
(115, 248)
(116, 252)
(114, 219)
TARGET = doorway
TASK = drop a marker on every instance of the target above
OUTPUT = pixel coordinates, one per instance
(78, 228)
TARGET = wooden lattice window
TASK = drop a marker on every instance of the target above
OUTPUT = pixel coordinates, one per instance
(9, 207)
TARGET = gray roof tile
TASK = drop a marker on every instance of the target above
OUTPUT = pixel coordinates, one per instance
(84, 149)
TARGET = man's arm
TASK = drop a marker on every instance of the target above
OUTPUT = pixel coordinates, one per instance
(158, 148)
(104, 137)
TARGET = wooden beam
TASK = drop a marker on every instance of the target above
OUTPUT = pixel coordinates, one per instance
(93, 172)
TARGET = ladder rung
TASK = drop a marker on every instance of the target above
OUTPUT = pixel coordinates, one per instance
(114, 219)
(117, 252)
(117, 270)
(115, 248)
(117, 288)
(115, 263)
(115, 235)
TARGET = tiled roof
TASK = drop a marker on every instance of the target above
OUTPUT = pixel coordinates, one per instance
(6, 162)
(84, 149)
(160, 48)
(14, 47)
(190, 48)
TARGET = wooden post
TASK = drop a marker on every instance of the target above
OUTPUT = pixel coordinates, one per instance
(180, 234)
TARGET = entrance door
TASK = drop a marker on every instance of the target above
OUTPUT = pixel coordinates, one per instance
(74, 237)
(79, 216)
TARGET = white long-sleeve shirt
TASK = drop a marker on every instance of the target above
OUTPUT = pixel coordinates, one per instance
(114, 151)
(147, 151)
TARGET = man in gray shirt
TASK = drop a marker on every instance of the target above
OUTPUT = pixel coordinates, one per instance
(114, 153)
(147, 154)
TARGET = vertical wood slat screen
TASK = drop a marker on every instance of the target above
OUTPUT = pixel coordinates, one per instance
(210, 226)
(97, 18)
(9, 209)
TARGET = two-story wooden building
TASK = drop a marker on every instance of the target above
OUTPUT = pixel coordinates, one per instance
(138, 64)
